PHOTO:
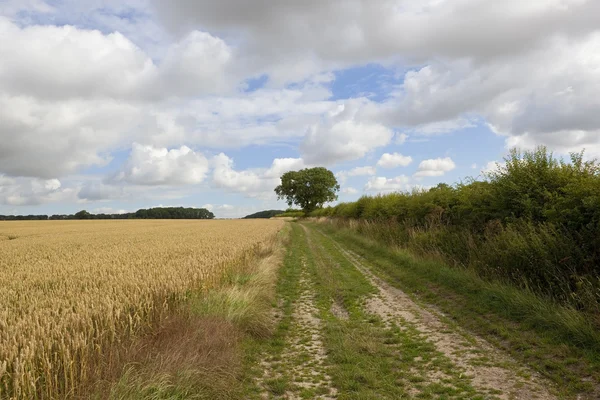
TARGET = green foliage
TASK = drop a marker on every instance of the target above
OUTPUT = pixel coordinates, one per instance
(291, 213)
(173, 213)
(534, 222)
(264, 214)
(82, 215)
(308, 188)
(151, 213)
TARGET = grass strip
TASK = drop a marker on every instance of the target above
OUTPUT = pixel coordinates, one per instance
(556, 341)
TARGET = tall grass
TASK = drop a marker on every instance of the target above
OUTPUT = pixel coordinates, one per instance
(533, 222)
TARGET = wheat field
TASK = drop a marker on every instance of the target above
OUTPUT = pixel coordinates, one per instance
(71, 290)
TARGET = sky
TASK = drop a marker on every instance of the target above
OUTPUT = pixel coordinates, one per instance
(115, 105)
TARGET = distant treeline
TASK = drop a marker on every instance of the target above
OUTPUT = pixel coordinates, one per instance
(264, 214)
(534, 221)
(151, 213)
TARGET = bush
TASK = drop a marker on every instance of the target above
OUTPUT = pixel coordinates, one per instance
(534, 221)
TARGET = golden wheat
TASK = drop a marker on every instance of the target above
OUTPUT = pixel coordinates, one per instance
(71, 289)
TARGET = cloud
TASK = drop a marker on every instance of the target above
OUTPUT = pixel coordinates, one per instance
(550, 100)
(342, 136)
(393, 160)
(362, 171)
(95, 191)
(442, 127)
(492, 166)
(81, 80)
(358, 31)
(31, 192)
(382, 184)
(197, 64)
(435, 167)
(148, 165)
(52, 62)
(400, 138)
(349, 190)
(342, 176)
(256, 182)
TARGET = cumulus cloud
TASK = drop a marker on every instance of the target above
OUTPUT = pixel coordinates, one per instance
(254, 182)
(342, 176)
(355, 31)
(382, 184)
(492, 166)
(31, 192)
(394, 160)
(51, 62)
(435, 167)
(148, 165)
(196, 65)
(349, 190)
(343, 136)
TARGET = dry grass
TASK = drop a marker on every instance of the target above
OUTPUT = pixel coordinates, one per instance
(73, 291)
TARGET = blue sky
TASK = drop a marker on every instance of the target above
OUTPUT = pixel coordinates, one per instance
(112, 105)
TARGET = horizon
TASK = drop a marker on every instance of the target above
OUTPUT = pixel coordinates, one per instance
(114, 106)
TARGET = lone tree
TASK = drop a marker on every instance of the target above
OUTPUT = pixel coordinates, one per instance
(308, 188)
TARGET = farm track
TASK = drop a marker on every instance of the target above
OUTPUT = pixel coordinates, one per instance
(417, 352)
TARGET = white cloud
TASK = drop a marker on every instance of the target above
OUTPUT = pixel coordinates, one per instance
(435, 167)
(441, 127)
(342, 176)
(31, 192)
(148, 165)
(393, 160)
(197, 64)
(349, 190)
(400, 138)
(550, 100)
(357, 31)
(50, 62)
(255, 182)
(492, 166)
(382, 184)
(343, 137)
(362, 171)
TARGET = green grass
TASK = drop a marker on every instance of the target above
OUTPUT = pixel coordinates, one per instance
(558, 342)
(369, 360)
(270, 349)
(365, 358)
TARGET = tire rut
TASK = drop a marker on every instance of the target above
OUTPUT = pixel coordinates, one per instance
(303, 361)
(490, 370)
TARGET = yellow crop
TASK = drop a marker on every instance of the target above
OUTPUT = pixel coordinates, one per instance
(71, 289)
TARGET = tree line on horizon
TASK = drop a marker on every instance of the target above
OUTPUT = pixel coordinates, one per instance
(151, 213)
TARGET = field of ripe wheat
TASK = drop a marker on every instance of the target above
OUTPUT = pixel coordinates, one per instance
(70, 290)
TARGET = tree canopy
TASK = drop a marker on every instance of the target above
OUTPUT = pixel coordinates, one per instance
(309, 188)
(152, 213)
(264, 214)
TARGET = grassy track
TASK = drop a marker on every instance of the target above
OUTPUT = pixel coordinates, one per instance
(344, 333)
(555, 342)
